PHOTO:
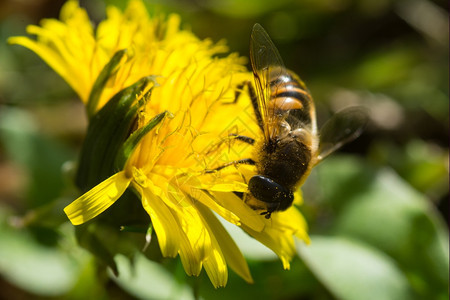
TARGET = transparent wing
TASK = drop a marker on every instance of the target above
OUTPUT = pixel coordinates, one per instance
(341, 128)
(266, 65)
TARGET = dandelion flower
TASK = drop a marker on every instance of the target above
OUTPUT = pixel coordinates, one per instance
(182, 115)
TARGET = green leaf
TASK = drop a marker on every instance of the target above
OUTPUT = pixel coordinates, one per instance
(353, 270)
(130, 144)
(108, 70)
(145, 279)
(378, 207)
(31, 266)
(398, 220)
(92, 282)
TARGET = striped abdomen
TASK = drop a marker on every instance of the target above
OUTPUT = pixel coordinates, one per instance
(289, 94)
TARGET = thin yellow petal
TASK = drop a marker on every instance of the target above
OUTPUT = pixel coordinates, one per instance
(192, 187)
(292, 220)
(46, 54)
(216, 267)
(227, 187)
(229, 248)
(164, 223)
(195, 240)
(98, 199)
(214, 182)
(71, 12)
(298, 197)
(280, 243)
(192, 225)
(214, 263)
(247, 215)
(189, 258)
(208, 200)
(279, 231)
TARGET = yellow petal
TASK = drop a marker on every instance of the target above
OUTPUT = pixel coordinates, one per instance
(208, 200)
(191, 186)
(279, 231)
(53, 60)
(222, 183)
(194, 239)
(298, 197)
(192, 225)
(191, 257)
(163, 221)
(279, 242)
(227, 245)
(71, 11)
(216, 267)
(292, 220)
(98, 199)
(214, 263)
(247, 215)
(227, 187)
(68, 46)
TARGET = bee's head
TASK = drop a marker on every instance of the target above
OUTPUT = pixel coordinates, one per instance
(274, 195)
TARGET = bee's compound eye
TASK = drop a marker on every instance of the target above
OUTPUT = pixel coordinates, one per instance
(267, 190)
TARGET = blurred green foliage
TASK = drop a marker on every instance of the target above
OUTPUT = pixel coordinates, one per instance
(377, 211)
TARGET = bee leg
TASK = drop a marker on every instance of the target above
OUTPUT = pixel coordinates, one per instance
(246, 161)
(238, 92)
(253, 98)
(266, 214)
(271, 207)
(243, 138)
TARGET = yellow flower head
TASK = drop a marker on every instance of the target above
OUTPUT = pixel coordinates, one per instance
(186, 113)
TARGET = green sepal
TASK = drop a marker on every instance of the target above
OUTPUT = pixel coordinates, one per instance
(130, 144)
(108, 70)
(108, 129)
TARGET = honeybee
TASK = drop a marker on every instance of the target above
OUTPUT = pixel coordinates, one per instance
(291, 144)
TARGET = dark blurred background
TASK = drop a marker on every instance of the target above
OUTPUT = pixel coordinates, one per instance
(389, 56)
